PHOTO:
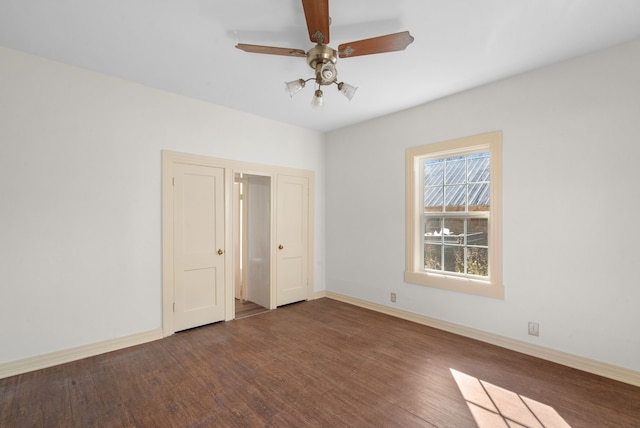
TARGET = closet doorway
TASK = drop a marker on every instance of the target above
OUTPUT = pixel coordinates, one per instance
(251, 244)
(264, 251)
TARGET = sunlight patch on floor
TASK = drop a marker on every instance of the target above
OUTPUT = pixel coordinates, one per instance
(492, 406)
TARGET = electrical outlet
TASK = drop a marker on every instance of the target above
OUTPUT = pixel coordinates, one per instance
(393, 297)
(534, 328)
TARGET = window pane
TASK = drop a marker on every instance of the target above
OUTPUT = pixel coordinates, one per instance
(454, 231)
(478, 168)
(433, 199)
(454, 259)
(454, 198)
(478, 261)
(479, 197)
(433, 257)
(433, 171)
(478, 231)
(455, 171)
(432, 231)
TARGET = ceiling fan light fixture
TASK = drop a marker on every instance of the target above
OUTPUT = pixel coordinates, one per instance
(322, 58)
(347, 90)
(317, 100)
(294, 87)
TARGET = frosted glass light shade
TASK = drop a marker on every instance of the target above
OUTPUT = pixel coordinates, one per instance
(347, 90)
(294, 87)
(317, 100)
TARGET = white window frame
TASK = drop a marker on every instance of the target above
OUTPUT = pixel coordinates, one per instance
(414, 264)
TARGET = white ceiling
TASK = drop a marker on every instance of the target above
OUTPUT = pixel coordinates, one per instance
(187, 46)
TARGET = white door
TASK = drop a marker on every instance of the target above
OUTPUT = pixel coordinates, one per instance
(198, 245)
(292, 237)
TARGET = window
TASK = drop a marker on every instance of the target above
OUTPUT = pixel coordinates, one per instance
(453, 224)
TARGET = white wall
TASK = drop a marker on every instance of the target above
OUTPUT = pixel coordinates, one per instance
(80, 181)
(571, 150)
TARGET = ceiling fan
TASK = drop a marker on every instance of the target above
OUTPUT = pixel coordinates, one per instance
(322, 58)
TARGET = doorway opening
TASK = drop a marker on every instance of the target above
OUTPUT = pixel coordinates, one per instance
(251, 244)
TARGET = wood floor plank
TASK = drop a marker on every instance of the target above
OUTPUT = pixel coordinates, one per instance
(321, 363)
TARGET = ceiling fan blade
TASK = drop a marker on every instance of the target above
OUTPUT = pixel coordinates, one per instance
(271, 50)
(376, 45)
(317, 14)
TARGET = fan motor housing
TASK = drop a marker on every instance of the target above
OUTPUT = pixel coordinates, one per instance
(322, 59)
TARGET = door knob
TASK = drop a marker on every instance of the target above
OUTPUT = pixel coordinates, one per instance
(220, 252)
(280, 247)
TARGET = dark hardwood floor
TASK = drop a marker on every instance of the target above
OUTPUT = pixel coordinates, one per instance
(317, 363)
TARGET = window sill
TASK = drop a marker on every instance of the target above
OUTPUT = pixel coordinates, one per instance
(455, 283)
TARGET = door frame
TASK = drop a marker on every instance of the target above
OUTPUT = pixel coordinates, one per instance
(230, 167)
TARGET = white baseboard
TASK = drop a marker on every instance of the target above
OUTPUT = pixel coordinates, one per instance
(319, 294)
(38, 362)
(621, 374)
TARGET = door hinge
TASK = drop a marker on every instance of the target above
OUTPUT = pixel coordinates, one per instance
(173, 181)
(174, 306)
